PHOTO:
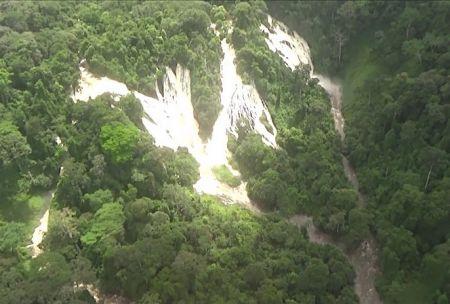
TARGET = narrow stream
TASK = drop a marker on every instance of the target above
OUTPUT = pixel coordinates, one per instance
(294, 51)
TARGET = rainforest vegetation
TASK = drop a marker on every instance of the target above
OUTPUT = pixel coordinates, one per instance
(393, 59)
(125, 217)
(307, 169)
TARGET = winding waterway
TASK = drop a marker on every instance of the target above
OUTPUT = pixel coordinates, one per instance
(294, 51)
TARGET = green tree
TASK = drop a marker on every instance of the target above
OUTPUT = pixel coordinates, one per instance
(62, 230)
(49, 273)
(12, 235)
(82, 271)
(97, 199)
(402, 243)
(268, 293)
(72, 184)
(267, 190)
(4, 80)
(14, 148)
(187, 267)
(194, 20)
(315, 276)
(254, 275)
(138, 213)
(107, 223)
(358, 224)
(119, 141)
(183, 168)
(133, 109)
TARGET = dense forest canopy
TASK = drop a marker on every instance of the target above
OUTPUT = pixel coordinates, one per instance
(125, 218)
(393, 59)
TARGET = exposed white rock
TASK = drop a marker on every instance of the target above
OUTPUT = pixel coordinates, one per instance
(40, 231)
(169, 118)
(38, 235)
(91, 86)
(292, 48)
(239, 101)
(295, 51)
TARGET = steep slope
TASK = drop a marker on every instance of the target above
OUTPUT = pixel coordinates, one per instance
(170, 119)
(395, 73)
(295, 51)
